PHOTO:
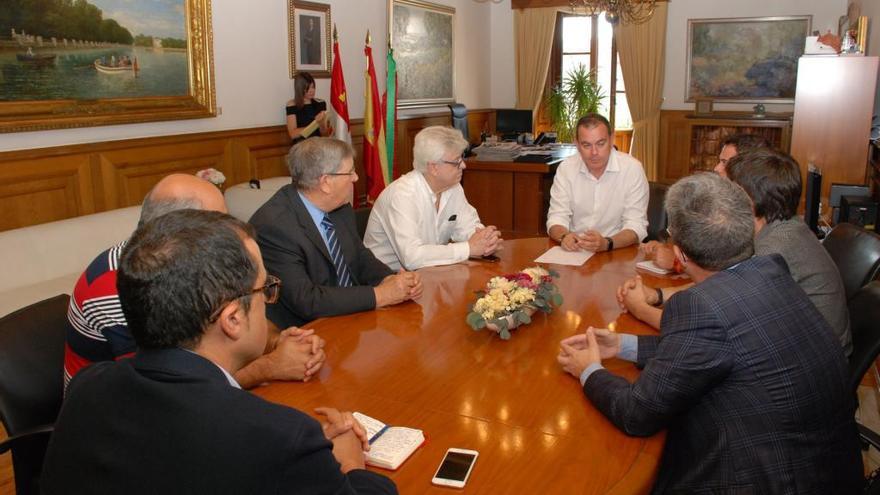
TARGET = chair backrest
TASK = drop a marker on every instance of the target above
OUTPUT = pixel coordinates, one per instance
(361, 218)
(656, 212)
(864, 318)
(856, 252)
(31, 383)
(459, 119)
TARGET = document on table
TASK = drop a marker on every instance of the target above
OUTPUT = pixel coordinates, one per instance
(559, 256)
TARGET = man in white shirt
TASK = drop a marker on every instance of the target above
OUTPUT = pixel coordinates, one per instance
(599, 198)
(422, 218)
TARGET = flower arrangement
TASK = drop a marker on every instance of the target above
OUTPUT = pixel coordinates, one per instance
(510, 300)
(212, 175)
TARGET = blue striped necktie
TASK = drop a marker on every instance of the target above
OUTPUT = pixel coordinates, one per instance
(343, 276)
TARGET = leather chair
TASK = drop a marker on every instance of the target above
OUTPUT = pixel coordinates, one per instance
(31, 384)
(864, 314)
(856, 252)
(657, 221)
(361, 218)
(459, 119)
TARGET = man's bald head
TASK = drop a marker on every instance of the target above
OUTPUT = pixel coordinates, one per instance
(179, 192)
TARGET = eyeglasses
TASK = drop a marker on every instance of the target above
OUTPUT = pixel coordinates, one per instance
(455, 163)
(270, 291)
(350, 172)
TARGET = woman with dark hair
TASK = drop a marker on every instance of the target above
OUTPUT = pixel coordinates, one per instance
(306, 115)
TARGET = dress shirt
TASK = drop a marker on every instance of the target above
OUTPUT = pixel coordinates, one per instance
(317, 215)
(616, 201)
(229, 378)
(406, 230)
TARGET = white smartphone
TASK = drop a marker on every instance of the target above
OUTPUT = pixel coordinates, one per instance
(455, 468)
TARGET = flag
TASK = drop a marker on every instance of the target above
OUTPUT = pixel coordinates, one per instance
(390, 104)
(374, 141)
(338, 95)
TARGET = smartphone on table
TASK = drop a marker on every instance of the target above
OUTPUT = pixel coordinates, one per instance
(455, 468)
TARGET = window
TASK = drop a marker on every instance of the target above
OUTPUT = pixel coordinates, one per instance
(590, 41)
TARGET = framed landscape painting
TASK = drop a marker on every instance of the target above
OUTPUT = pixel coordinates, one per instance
(421, 34)
(308, 29)
(745, 59)
(100, 62)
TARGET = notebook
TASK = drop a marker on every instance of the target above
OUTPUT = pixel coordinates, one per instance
(389, 445)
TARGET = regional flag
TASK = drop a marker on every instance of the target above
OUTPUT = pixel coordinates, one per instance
(338, 95)
(374, 142)
(390, 104)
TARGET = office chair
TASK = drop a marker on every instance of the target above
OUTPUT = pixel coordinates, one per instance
(31, 384)
(856, 252)
(459, 119)
(656, 212)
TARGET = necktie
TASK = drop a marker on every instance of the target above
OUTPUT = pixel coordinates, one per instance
(342, 274)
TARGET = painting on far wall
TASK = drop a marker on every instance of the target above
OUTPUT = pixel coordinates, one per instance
(96, 62)
(421, 35)
(745, 59)
(308, 25)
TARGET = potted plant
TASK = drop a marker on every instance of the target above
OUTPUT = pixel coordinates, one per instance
(578, 94)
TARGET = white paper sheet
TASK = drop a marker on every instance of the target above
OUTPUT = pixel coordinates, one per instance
(559, 256)
(651, 267)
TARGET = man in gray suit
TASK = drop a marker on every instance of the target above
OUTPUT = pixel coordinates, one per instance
(308, 237)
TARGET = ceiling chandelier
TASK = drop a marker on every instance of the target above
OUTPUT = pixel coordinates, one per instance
(616, 11)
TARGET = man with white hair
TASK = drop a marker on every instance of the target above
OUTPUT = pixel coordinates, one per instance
(423, 218)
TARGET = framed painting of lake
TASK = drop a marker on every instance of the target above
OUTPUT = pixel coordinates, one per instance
(750, 59)
(102, 62)
(421, 34)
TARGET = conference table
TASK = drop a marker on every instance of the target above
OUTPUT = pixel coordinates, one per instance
(420, 365)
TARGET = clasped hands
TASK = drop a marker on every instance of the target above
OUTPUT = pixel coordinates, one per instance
(590, 240)
(397, 288)
(578, 352)
(485, 241)
(348, 436)
(298, 354)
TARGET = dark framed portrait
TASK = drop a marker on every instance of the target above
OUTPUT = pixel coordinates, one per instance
(309, 31)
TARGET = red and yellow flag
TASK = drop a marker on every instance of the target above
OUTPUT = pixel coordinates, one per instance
(375, 158)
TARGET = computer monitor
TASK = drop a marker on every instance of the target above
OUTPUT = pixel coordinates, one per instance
(510, 122)
(811, 199)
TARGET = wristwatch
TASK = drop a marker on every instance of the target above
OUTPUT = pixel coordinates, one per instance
(610, 243)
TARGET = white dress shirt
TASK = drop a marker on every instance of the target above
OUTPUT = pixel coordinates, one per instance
(406, 230)
(616, 201)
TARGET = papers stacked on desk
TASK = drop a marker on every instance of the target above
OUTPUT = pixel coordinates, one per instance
(499, 152)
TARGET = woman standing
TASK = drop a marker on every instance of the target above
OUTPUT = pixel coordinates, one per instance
(306, 115)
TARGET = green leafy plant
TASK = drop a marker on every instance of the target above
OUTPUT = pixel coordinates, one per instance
(578, 94)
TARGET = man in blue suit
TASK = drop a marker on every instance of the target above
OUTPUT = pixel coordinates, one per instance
(173, 419)
(746, 375)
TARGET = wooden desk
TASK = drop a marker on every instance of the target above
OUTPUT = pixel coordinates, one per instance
(420, 365)
(512, 196)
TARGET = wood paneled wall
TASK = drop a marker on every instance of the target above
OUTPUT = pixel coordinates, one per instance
(48, 184)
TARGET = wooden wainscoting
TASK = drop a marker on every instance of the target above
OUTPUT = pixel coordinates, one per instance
(48, 184)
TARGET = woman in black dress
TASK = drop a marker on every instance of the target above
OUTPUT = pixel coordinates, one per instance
(304, 109)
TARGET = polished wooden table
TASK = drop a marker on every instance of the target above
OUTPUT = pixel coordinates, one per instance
(418, 364)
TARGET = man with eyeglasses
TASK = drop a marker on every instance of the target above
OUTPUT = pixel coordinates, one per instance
(97, 330)
(599, 197)
(308, 237)
(173, 419)
(423, 218)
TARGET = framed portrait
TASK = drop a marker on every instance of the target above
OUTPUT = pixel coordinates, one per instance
(308, 29)
(745, 59)
(702, 106)
(65, 64)
(422, 37)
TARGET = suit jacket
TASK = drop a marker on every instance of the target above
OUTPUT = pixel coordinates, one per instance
(168, 421)
(751, 383)
(294, 251)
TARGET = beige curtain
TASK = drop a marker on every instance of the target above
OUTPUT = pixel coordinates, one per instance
(642, 57)
(533, 33)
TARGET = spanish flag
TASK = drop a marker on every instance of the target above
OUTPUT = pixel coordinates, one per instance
(375, 159)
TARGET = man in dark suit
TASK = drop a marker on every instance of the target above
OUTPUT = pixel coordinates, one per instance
(745, 375)
(308, 237)
(172, 419)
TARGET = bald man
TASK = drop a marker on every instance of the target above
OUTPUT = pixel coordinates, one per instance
(97, 330)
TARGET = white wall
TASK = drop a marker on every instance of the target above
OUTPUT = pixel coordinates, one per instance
(503, 62)
(252, 76)
(871, 8)
(825, 14)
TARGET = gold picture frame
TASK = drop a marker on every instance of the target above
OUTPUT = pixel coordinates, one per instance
(200, 102)
(309, 32)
